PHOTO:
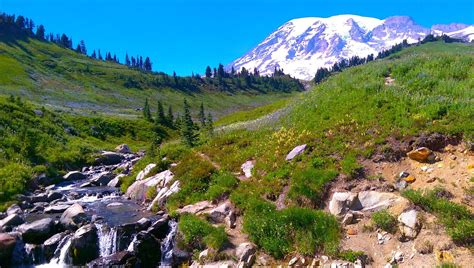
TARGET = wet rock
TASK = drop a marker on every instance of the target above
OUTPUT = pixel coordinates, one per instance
(38, 231)
(119, 259)
(74, 175)
(295, 152)
(52, 196)
(123, 149)
(160, 228)
(247, 168)
(148, 249)
(244, 251)
(137, 191)
(84, 245)
(14, 209)
(341, 202)
(51, 244)
(73, 217)
(102, 178)
(422, 155)
(7, 244)
(10, 221)
(109, 158)
(409, 225)
(115, 182)
(144, 223)
(56, 209)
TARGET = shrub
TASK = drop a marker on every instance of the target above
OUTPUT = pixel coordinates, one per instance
(221, 184)
(198, 233)
(385, 221)
(309, 184)
(350, 255)
(13, 180)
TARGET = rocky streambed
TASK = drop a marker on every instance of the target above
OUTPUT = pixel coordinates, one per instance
(85, 220)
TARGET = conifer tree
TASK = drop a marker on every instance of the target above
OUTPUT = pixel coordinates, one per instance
(160, 114)
(146, 111)
(147, 64)
(170, 117)
(127, 60)
(208, 72)
(40, 32)
(94, 55)
(202, 116)
(187, 126)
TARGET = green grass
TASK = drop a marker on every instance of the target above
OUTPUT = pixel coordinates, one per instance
(385, 221)
(199, 234)
(458, 220)
(49, 75)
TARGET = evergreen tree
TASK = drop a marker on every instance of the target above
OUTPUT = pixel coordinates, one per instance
(202, 116)
(94, 55)
(100, 56)
(127, 60)
(187, 126)
(146, 111)
(208, 72)
(160, 114)
(209, 124)
(40, 31)
(170, 117)
(147, 64)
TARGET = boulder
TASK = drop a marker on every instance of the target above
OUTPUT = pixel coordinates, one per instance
(147, 249)
(14, 209)
(341, 202)
(160, 228)
(119, 259)
(196, 208)
(374, 201)
(219, 214)
(144, 223)
(109, 158)
(142, 174)
(38, 231)
(52, 196)
(7, 244)
(247, 168)
(137, 191)
(163, 195)
(409, 225)
(244, 251)
(295, 152)
(51, 244)
(73, 217)
(421, 154)
(123, 149)
(102, 178)
(74, 175)
(56, 208)
(10, 221)
(84, 245)
(116, 182)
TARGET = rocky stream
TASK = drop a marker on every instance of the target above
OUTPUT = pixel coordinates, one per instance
(84, 220)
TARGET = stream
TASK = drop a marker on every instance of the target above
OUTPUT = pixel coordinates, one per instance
(114, 230)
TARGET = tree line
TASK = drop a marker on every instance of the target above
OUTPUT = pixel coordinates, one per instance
(190, 131)
(323, 73)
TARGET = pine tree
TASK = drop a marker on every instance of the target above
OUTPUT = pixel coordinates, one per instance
(160, 114)
(40, 32)
(94, 55)
(187, 126)
(82, 44)
(146, 111)
(147, 64)
(100, 55)
(208, 72)
(127, 60)
(202, 116)
(170, 117)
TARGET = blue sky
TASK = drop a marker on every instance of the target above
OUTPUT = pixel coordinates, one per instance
(187, 35)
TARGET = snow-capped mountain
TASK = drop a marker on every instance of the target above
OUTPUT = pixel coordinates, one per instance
(301, 46)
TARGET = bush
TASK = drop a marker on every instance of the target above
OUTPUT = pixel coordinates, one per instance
(350, 255)
(221, 184)
(309, 184)
(385, 221)
(198, 233)
(13, 180)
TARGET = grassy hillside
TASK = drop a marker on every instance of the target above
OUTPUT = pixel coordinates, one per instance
(48, 74)
(344, 120)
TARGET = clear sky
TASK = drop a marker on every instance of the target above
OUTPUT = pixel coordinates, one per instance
(187, 35)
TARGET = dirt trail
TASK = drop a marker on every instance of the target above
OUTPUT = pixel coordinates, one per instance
(208, 159)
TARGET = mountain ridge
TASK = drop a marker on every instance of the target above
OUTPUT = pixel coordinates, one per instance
(303, 45)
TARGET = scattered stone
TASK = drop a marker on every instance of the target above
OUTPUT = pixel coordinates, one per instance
(431, 180)
(102, 178)
(123, 149)
(116, 182)
(403, 174)
(348, 219)
(7, 244)
(14, 209)
(351, 231)
(196, 208)
(219, 214)
(244, 251)
(73, 217)
(38, 231)
(293, 261)
(295, 152)
(409, 225)
(410, 179)
(56, 209)
(341, 202)
(10, 221)
(84, 245)
(401, 185)
(398, 257)
(74, 175)
(109, 158)
(247, 168)
(383, 237)
(422, 154)
(52, 196)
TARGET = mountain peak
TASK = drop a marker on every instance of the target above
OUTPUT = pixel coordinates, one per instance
(303, 45)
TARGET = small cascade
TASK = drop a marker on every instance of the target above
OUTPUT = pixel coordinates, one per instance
(167, 244)
(61, 254)
(107, 239)
(131, 246)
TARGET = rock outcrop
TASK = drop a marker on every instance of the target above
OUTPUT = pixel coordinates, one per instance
(38, 231)
(73, 217)
(123, 149)
(137, 191)
(84, 245)
(409, 225)
(75, 175)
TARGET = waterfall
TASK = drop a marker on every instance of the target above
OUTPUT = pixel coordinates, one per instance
(168, 244)
(61, 254)
(131, 246)
(107, 239)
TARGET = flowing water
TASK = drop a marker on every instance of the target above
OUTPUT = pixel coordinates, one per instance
(168, 244)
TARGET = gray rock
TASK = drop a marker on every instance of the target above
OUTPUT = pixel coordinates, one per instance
(51, 244)
(123, 149)
(409, 225)
(14, 209)
(196, 208)
(148, 249)
(247, 168)
(244, 251)
(116, 182)
(74, 175)
(374, 201)
(109, 158)
(84, 245)
(341, 202)
(137, 191)
(144, 223)
(11, 221)
(56, 209)
(295, 152)
(38, 231)
(102, 178)
(73, 217)
(7, 244)
(114, 205)
(219, 214)
(52, 196)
